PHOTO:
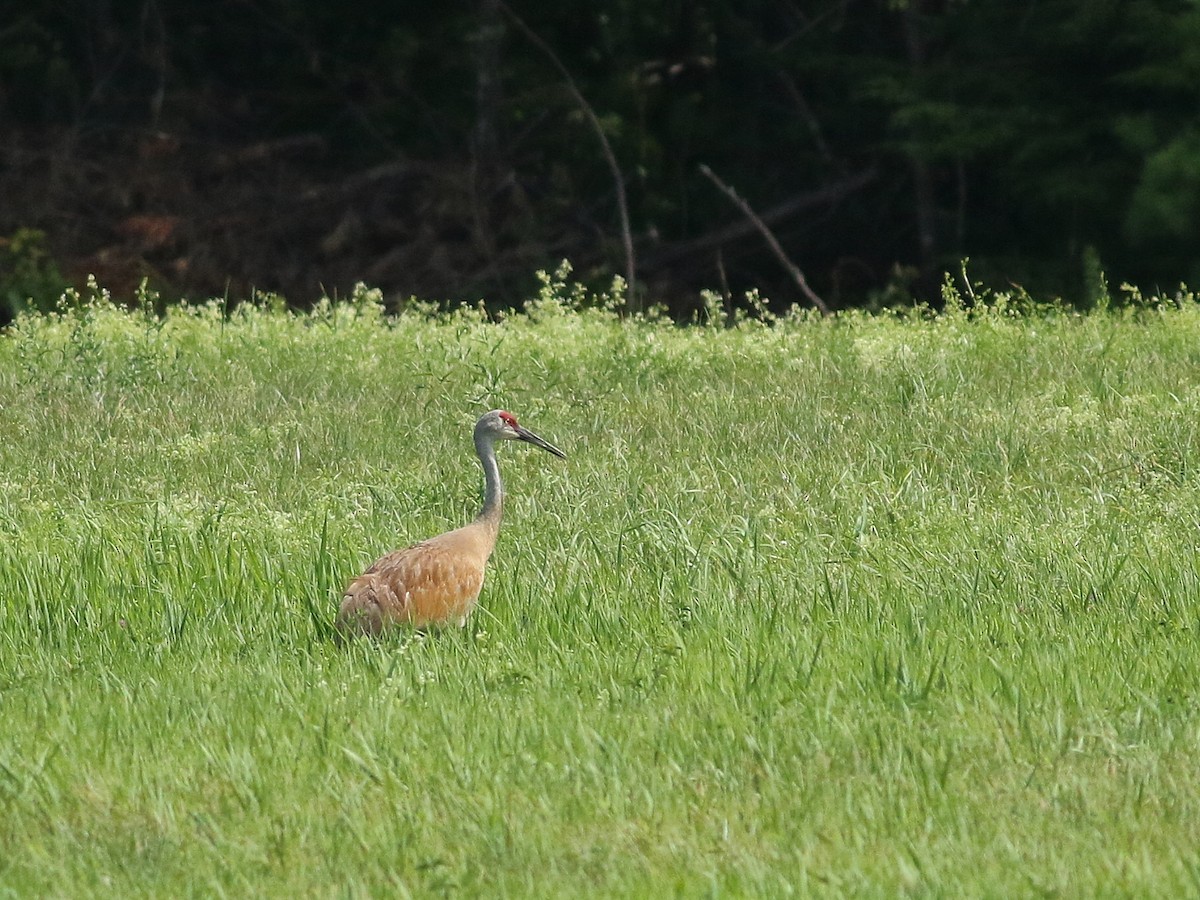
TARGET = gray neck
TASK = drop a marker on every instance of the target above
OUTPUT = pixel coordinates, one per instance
(493, 490)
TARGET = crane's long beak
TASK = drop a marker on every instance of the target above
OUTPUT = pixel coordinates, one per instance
(530, 438)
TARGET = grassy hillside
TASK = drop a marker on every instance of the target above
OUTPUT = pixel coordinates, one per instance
(866, 606)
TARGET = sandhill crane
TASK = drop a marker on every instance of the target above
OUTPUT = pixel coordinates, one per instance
(436, 582)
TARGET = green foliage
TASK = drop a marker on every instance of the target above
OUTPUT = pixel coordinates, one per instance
(558, 296)
(29, 277)
(859, 606)
(1166, 202)
(992, 123)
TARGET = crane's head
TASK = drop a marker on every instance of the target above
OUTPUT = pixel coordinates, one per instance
(501, 425)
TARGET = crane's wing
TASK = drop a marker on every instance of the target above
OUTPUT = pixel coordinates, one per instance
(428, 583)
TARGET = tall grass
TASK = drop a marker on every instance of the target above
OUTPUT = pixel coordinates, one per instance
(861, 606)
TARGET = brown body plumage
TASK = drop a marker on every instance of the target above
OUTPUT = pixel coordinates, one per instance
(436, 582)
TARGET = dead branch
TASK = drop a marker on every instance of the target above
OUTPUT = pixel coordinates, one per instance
(610, 157)
(807, 115)
(668, 253)
(769, 236)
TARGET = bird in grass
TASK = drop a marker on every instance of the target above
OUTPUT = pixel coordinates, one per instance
(436, 582)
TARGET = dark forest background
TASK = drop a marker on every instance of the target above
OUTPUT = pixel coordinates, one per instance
(448, 150)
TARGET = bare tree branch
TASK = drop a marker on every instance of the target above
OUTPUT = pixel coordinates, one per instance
(769, 236)
(807, 115)
(618, 178)
(669, 253)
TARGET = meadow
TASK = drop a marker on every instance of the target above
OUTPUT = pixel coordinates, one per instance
(874, 605)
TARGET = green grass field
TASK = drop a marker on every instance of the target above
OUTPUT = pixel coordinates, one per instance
(867, 606)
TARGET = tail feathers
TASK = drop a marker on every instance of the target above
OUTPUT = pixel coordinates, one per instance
(361, 612)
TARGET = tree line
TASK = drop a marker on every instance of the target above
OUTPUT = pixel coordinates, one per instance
(834, 152)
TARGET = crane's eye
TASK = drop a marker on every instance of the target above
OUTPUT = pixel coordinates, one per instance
(509, 419)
